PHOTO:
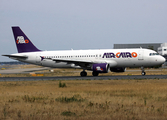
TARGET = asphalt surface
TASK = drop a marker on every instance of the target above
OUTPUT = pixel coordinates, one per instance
(21, 70)
(122, 77)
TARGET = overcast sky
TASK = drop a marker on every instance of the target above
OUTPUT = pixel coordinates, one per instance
(82, 24)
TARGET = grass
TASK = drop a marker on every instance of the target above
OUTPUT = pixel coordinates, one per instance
(68, 113)
(75, 98)
(136, 99)
(62, 84)
(84, 99)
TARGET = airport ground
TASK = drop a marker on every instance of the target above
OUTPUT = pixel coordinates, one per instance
(84, 99)
(33, 70)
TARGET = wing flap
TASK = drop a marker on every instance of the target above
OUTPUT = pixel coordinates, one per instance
(72, 61)
(84, 63)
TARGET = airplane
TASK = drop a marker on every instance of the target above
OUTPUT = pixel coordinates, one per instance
(97, 60)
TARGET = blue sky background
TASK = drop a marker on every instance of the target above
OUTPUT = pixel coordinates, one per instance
(82, 24)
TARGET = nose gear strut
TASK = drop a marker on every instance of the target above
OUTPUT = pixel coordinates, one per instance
(143, 72)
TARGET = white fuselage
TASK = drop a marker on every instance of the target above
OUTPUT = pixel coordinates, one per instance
(114, 57)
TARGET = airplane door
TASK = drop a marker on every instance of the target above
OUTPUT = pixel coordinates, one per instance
(96, 56)
(140, 55)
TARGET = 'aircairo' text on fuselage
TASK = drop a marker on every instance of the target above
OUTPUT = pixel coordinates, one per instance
(120, 54)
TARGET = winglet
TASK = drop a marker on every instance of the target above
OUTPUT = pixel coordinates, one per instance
(23, 43)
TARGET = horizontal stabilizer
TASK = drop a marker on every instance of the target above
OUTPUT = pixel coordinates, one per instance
(16, 56)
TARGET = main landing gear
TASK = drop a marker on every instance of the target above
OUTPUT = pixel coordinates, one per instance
(143, 72)
(95, 73)
(84, 73)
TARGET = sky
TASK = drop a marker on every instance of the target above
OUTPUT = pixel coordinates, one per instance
(82, 24)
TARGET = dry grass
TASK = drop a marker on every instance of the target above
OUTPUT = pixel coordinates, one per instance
(84, 99)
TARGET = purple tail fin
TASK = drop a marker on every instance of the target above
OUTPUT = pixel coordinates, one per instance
(23, 43)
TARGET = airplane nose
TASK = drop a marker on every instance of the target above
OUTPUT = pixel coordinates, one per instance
(162, 60)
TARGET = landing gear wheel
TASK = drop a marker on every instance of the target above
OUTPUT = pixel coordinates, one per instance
(83, 73)
(143, 73)
(95, 73)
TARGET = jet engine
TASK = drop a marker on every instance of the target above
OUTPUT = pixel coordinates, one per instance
(100, 67)
(118, 69)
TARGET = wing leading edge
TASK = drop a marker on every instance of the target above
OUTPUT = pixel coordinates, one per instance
(84, 63)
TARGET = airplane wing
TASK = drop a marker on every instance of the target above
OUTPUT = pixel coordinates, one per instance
(83, 63)
(72, 61)
(16, 56)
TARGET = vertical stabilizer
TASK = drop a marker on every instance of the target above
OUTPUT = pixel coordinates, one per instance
(23, 43)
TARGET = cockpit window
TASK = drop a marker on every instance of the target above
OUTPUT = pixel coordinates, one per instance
(152, 54)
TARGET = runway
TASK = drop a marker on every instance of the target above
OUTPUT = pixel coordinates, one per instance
(121, 77)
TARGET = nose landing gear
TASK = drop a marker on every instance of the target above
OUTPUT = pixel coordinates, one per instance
(143, 72)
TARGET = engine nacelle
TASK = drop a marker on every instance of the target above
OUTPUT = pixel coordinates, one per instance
(100, 67)
(118, 69)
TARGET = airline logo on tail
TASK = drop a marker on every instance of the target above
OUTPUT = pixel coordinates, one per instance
(20, 40)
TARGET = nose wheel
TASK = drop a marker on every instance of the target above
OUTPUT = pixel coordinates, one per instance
(143, 72)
